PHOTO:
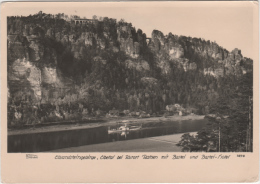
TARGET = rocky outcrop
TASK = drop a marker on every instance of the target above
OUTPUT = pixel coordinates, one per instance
(137, 65)
(175, 51)
(149, 81)
(164, 65)
(219, 72)
(36, 48)
(129, 47)
(173, 48)
(220, 61)
(44, 46)
(127, 44)
(50, 76)
(189, 66)
(17, 48)
(88, 38)
(158, 40)
(123, 31)
(162, 44)
(100, 60)
(23, 69)
(27, 75)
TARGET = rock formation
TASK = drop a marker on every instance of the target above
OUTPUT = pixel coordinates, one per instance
(55, 54)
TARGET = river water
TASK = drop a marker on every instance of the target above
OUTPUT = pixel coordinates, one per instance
(154, 129)
(47, 141)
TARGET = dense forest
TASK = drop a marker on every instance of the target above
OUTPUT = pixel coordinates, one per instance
(59, 64)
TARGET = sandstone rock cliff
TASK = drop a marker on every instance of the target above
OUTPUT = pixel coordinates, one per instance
(54, 56)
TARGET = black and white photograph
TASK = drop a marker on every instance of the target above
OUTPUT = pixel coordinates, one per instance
(114, 78)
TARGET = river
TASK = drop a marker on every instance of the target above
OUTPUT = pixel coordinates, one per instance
(53, 140)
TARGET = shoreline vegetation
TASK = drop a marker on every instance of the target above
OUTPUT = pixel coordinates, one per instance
(94, 122)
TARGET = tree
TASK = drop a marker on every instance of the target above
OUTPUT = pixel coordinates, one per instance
(231, 127)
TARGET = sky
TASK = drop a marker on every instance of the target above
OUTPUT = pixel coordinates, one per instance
(230, 24)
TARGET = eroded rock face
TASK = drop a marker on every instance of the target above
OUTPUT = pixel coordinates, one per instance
(158, 39)
(173, 48)
(176, 52)
(127, 44)
(164, 65)
(37, 49)
(88, 39)
(100, 60)
(50, 33)
(189, 66)
(138, 65)
(136, 49)
(101, 43)
(161, 44)
(149, 81)
(233, 61)
(219, 72)
(176, 47)
(129, 47)
(49, 76)
(16, 49)
(23, 69)
(123, 31)
(32, 46)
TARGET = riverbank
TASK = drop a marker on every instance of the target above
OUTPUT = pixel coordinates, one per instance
(103, 122)
(165, 143)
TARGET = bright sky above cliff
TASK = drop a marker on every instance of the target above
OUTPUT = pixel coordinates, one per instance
(230, 24)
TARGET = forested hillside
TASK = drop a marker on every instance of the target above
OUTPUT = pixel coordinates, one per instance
(57, 61)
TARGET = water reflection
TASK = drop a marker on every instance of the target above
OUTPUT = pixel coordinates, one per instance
(44, 141)
(133, 130)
